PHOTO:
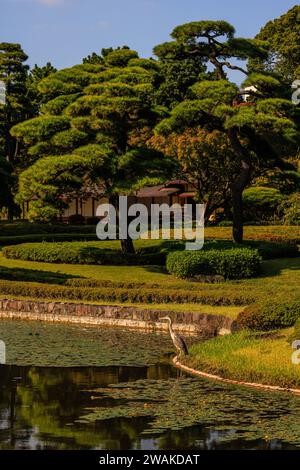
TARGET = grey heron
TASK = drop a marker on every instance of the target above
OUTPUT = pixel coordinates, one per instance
(178, 341)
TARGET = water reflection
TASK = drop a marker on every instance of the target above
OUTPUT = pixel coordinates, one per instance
(144, 404)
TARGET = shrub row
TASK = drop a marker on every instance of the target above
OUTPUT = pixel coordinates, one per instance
(26, 228)
(79, 253)
(236, 263)
(142, 295)
(272, 250)
(47, 237)
(19, 274)
(269, 316)
(271, 233)
(267, 250)
(87, 282)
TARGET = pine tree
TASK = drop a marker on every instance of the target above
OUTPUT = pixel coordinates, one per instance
(92, 129)
(261, 131)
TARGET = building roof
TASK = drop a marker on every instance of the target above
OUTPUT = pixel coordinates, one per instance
(156, 191)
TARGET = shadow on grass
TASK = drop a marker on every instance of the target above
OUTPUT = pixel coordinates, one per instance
(34, 275)
(276, 266)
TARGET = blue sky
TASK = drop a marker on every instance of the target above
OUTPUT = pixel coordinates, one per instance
(64, 31)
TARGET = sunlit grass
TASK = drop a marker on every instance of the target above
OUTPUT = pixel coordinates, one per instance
(251, 357)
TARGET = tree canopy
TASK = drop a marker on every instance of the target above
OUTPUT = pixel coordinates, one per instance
(92, 129)
(260, 132)
(283, 37)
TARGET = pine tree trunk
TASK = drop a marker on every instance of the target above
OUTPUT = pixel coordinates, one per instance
(237, 202)
(238, 187)
(238, 226)
(127, 244)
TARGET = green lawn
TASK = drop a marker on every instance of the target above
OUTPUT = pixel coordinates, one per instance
(251, 357)
(280, 278)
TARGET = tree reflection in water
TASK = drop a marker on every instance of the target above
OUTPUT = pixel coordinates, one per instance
(140, 403)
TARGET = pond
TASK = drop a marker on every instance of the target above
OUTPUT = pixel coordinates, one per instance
(74, 387)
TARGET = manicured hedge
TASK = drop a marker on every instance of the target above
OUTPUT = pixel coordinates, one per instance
(271, 250)
(267, 250)
(113, 294)
(269, 316)
(26, 228)
(79, 253)
(47, 237)
(271, 233)
(235, 263)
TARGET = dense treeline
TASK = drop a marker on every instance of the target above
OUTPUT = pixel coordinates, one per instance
(118, 122)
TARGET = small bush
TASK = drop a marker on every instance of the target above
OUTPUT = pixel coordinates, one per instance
(291, 210)
(261, 203)
(235, 263)
(270, 315)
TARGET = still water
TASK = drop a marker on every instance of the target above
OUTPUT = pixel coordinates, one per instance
(70, 387)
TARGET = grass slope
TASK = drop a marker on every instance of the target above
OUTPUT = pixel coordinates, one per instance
(251, 357)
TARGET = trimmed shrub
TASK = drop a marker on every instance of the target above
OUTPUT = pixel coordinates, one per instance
(267, 250)
(235, 263)
(270, 315)
(27, 228)
(271, 250)
(261, 203)
(271, 233)
(77, 219)
(92, 220)
(114, 294)
(47, 237)
(291, 209)
(79, 253)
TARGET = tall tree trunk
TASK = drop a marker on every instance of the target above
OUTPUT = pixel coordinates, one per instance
(238, 187)
(126, 244)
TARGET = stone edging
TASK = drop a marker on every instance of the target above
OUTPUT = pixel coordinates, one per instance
(190, 323)
(206, 375)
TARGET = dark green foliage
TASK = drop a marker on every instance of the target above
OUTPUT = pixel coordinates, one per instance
(112, 294)
(79, 253)
(260, 134)
(92, 220)
(296, 333)
(271, 250)
(261, 203)
(235, 263)
(6, 182)
(282, 35)
(290, 209)
(26, 228)
(269, 316)
(36, 74)
(76, 219)
(48, 237)
(95, 122)
(266, 249)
